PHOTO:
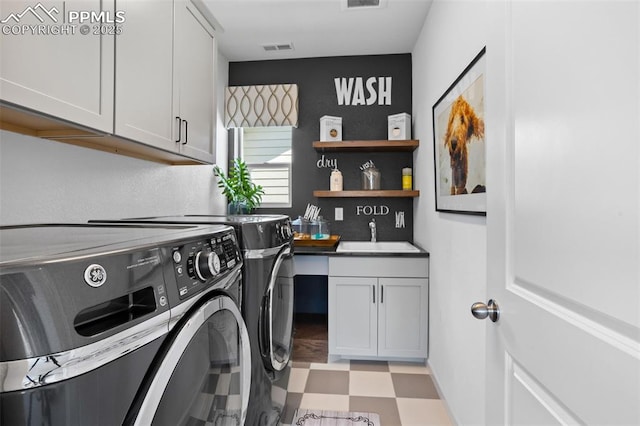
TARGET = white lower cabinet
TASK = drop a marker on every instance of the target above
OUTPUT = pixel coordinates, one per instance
(378, 307)
(353, 316)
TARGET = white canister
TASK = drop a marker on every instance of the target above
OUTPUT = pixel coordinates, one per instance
(335, 183)
(399, 126)
(330, 128)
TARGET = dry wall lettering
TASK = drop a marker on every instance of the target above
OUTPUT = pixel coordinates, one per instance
(351, 91)
(327, 163)
(381, 210)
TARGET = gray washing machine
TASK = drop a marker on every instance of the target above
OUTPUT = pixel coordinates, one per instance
(266, 242)
(122, 324)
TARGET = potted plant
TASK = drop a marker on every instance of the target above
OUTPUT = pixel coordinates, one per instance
(243, 195)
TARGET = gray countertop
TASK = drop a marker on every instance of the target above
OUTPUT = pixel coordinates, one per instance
(331, 251)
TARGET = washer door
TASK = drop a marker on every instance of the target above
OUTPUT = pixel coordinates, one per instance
(205, 374)
(276, 322)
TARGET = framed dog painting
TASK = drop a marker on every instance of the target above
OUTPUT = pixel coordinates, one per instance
(459, 143)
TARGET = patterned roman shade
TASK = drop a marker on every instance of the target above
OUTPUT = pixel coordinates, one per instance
(261, 106)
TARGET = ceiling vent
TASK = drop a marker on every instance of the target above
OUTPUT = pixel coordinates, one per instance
(353, 4)
(276, 47)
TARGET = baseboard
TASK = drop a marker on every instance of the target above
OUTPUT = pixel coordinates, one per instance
(434, 378)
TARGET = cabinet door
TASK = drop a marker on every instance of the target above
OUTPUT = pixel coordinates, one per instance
(63, 72)
(402, 317)
(194, 48)
(352, 316)
(144, 74)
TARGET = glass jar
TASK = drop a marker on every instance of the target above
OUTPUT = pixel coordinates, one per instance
(371, 178)
(320, 229)
(407, 179)
(300, 228)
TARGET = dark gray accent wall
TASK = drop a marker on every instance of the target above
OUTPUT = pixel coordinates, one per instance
(317, 97)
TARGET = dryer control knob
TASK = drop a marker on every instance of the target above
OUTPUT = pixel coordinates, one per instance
(207, 265)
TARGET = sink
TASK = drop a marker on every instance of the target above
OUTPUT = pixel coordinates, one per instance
(376, 247)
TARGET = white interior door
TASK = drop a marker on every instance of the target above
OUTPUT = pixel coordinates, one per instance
(563, 216)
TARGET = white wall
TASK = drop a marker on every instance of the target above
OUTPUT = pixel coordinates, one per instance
(45, 181)
(453, 34)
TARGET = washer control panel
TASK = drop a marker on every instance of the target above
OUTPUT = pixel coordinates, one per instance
(198, 263)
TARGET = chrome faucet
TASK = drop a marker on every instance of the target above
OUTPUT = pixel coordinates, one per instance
(372, 226)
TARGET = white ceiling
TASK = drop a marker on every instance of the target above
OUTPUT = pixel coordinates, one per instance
(316, 28)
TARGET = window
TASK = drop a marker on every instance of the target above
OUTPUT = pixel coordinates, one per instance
(267, 152)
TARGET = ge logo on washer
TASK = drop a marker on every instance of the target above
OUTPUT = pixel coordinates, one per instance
(95, 275)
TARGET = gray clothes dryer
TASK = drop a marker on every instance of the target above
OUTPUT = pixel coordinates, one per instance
(266, 242)
(122, 324)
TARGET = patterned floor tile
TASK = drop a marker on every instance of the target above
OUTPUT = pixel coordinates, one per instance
(386, 408)
(342, 365)
(298, 379)
(300, 364)
(293, 402)
(369, 365)
(321, 401)
(414, 386)
(370, 383)
(409, 367)
(327, 382)
(422, 412)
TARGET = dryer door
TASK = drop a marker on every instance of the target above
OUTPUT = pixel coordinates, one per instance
(205, 374)
(276, 322)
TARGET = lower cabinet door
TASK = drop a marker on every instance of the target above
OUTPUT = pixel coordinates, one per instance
(353, 318)
(402, 317)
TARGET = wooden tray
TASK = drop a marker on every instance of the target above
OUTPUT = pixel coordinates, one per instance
(308, 242)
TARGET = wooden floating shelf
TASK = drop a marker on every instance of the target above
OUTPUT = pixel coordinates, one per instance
(372, 193)
(367, 146)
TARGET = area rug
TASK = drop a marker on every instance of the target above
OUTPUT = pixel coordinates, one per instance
(304, 417)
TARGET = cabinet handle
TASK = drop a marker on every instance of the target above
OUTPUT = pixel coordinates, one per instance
(179, 129)
(381, 294)
(186, 132)
(373, 287)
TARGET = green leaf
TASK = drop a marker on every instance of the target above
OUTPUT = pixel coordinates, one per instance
(237, 185)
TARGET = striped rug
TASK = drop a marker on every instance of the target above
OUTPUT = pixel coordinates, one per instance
(306, 417)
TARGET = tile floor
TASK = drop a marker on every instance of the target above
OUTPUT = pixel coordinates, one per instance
(403, 394)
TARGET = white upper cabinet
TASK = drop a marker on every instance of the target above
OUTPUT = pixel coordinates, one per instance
(141, 82)
(194, 53)
(144, 74)
(164, 78)
(59, 70)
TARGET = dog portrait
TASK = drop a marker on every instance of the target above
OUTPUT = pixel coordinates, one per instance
(459, 143)
(463, 126)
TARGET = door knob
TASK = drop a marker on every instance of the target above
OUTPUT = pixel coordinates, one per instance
(481, 311)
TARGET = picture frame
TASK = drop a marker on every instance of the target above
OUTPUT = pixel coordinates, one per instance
(459, 143)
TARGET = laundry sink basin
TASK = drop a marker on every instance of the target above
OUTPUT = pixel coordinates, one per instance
(376, 247)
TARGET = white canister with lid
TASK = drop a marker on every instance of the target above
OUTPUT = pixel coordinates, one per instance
(335, 183)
